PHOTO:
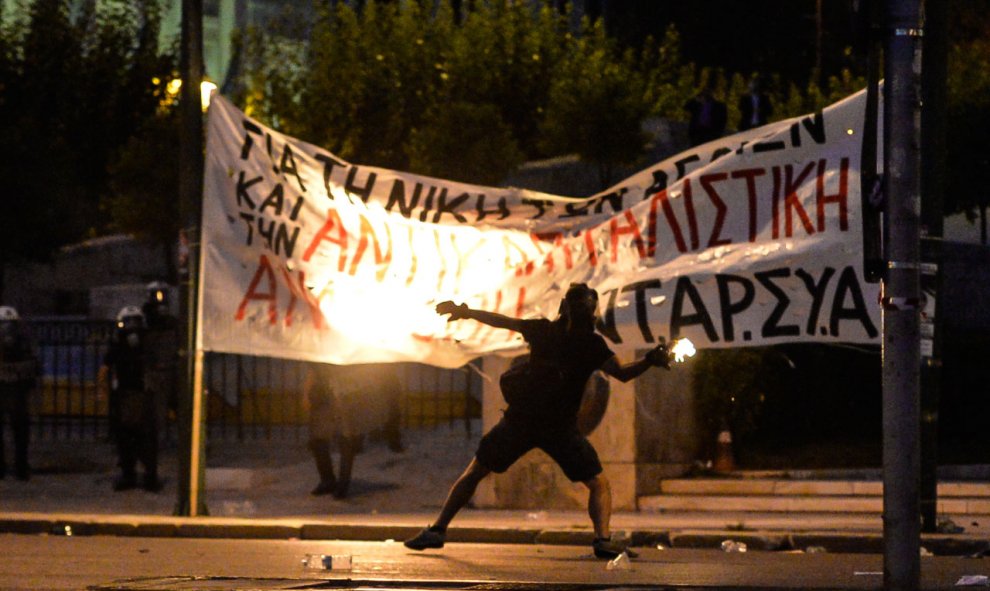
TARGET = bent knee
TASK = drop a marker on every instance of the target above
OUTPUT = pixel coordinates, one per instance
(599, 481)
(476, 470)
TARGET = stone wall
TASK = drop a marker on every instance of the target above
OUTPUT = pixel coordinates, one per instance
(93, 278)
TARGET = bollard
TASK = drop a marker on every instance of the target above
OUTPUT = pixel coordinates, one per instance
(724, 462)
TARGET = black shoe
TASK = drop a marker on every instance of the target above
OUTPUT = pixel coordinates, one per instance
(152, 484)
(323, 488)
(340, 492)
(124, 483)
(428, 538)
(607, 549)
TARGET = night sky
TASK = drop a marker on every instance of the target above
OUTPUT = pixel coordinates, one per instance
(767, 36)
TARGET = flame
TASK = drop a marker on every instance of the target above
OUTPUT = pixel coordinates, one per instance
(682, 349)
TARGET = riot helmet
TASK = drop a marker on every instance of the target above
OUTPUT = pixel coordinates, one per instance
(156, 304)
(158, 292)
(9, 320)
(130, 322)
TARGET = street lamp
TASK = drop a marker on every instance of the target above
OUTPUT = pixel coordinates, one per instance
(206, 88)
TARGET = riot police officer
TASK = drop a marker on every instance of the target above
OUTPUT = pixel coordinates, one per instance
(133, 419)
(18, 377)
(162, 349)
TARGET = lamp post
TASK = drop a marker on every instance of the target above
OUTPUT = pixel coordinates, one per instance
(190, 420)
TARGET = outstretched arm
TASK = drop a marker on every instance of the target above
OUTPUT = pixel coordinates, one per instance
(659, 356)
(459, 311)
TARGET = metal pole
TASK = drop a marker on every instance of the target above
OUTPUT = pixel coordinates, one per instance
(901, 297)
(933, 85)
(191, 441)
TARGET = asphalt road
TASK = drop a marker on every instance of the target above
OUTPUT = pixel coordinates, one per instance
(96, 562)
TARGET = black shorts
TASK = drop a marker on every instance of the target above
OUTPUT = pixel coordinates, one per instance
(510, 439)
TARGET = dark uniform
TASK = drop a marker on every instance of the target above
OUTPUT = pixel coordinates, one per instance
(162, 353)
(18, 377)
(133, 416)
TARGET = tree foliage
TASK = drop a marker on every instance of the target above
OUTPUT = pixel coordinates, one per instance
(968, 114)
(730, 388)
(412, 85)
(374, 85)
(483, 137)
(597, 103)
(76, 83)
(144, 187)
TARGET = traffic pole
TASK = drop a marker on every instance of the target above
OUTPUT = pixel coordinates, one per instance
(901, 296)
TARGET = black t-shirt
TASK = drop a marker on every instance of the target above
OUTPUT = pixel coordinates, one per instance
(577, 354)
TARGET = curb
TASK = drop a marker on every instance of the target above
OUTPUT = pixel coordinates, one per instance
(217, 528)
(833, 542)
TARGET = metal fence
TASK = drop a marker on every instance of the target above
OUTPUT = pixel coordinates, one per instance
(67, 404)
(248, 398)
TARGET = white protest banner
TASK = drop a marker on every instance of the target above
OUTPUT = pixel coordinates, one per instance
(754, 239)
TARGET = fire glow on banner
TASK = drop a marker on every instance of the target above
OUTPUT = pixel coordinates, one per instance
(754, 239)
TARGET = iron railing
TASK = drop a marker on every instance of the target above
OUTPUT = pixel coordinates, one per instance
(248, 398)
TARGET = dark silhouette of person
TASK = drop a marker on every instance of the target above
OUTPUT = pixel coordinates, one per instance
(318, 398)
(162, 347)
(548, 420)
(347, 403)
(19, 370)
(133, 412)
(755, 107)
(707, 117)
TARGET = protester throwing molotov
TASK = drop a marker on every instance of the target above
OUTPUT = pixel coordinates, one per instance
(544, 395)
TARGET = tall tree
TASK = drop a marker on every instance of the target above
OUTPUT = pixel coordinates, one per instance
(78, 81)
(144, 186)
(596, 105)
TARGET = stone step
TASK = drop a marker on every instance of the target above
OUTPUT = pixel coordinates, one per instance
(797, 504)
(816, 488)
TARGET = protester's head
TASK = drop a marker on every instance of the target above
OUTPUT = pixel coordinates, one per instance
(579, 307)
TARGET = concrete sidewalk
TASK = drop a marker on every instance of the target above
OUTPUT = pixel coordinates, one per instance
(261, 491)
